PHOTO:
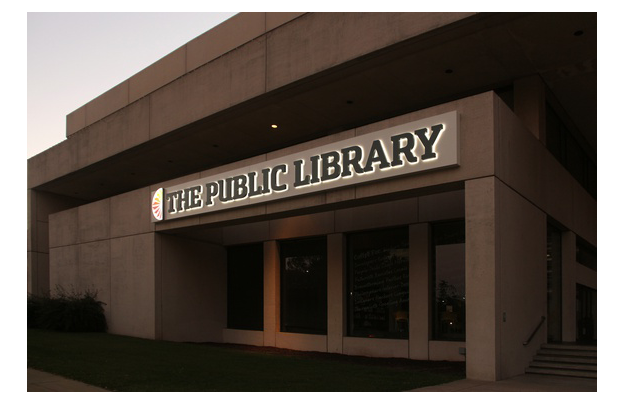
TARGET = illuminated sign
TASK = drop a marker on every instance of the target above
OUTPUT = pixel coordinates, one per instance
(426, 144)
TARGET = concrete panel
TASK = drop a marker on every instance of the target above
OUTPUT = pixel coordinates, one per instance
(290, 51)
(246, 233)
(375, 347)
(231, 166)
(441, 206)
(114, 133)
(226, 81)
(419, 288)
(336, 196)
(482, 294)
(530, 105)
(55, 162)
(64, 267)
(295, 203)
(304, 225)
(271, 292)
(243, 337)
(42, 237)
(75, 121)
(193, 288)
(223, 38)
(585, 215)
(47, 203)
(157, 75)
(38, 275)
(379, 215)
(177, 223)
(94, 271)
(586, 276)
(133, 304)
(107, 103)
(521, 262)
(274, 20)
(94, 221)
(63, 228)
(299, 341)
(446, 351)
(129, 213)
(315, 143)
(248, 212)
(336, 310)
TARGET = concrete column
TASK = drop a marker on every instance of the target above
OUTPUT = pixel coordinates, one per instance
(482, 301)
(419, 251)
(568, 286)
(271, 292)
(335, 291)
(530, 105)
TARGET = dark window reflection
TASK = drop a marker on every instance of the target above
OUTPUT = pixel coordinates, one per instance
(449, 280)
(378, 284)
(303, 286)
(245, 287)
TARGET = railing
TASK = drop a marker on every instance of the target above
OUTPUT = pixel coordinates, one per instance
(526, 342)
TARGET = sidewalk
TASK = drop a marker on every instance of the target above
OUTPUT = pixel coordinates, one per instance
(40, 381)
(521, 383)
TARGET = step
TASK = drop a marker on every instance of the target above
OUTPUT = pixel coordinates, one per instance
(571, 346)
(566, 373)
(564, 366)
(566, 359)
(565, 352)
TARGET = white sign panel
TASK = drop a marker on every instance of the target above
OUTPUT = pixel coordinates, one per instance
(417, 146)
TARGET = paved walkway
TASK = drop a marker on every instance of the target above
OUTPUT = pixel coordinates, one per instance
(521, 383)
(39, 381)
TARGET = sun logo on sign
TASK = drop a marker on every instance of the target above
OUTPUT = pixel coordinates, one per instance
(157, 204)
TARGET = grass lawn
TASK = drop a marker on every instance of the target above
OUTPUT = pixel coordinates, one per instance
(120, 363)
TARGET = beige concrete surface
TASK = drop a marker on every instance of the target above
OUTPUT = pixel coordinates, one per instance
(40, 381)
(521, 383)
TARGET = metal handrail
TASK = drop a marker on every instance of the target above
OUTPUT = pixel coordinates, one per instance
(526, 342)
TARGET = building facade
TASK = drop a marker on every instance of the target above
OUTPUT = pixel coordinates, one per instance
(417, 185)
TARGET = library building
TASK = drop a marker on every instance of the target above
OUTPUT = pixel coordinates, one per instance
(405, 185)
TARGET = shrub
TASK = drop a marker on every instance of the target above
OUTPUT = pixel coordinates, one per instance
(67, 311)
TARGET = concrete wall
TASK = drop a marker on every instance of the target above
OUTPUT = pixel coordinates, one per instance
(39, 207)
(193, 286)
(109, 246)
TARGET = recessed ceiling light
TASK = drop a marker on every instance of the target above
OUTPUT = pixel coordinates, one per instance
(273, 126)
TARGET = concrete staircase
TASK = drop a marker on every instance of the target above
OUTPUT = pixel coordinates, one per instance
(565, 359)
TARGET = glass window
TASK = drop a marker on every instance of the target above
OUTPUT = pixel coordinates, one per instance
(245, 287)
(303, 286)
(449, 281)
(378, 284)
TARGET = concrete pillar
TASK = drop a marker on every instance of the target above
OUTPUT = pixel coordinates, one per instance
(530, 105)
(271, 292)
(568, 286)
(482, 301)
(335, 291)
(419, 291)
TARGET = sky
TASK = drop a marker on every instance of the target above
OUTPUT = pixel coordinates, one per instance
(72, 58)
